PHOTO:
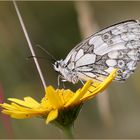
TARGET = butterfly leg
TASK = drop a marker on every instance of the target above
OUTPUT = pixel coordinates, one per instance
(58, 81)
(82, 81)
(63, 83)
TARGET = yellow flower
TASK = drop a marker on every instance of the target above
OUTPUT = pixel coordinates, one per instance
(59, 105)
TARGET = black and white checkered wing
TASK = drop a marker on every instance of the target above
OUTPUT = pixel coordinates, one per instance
(117, 46)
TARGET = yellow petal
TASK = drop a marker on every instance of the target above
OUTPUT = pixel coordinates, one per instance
(18, 114)
(79, 94)
(22, 116)
(9, 112)
(45, 104)
(68, 94)
(27, 110)
(7, 106)
(21, 108)
(102, 86)
(33, 103)
(53, 98)
(20, 102)
(52, 116)
(65, 95)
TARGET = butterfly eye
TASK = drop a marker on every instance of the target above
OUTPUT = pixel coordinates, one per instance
(57, 64)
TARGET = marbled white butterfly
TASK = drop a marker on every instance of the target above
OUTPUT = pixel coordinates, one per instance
(117, 46)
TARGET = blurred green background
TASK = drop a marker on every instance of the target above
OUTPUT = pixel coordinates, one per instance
(54, 26)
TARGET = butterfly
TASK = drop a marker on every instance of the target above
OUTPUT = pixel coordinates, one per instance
(117, 46)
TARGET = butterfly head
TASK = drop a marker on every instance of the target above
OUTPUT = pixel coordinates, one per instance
(57, 66)
(66, 73)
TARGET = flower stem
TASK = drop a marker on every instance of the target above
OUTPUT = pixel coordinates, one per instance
(67, 131)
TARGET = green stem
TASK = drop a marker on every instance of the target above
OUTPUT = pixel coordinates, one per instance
(67, 131)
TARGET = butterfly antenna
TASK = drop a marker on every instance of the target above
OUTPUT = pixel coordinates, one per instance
(38, 57)
(49, 54)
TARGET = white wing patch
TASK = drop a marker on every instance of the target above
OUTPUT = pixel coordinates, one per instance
(111, 62)
(97, 41)
(104, 49)
(134, 54)
(113, 54)
(79, 54)
(86, 59)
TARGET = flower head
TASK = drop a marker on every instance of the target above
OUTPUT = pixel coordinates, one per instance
(59, 105)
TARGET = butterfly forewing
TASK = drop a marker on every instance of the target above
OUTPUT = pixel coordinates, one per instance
(117, 46)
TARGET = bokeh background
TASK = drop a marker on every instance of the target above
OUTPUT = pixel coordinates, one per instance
(56, 26)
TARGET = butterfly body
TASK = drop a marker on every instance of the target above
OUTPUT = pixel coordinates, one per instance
(117, 46)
